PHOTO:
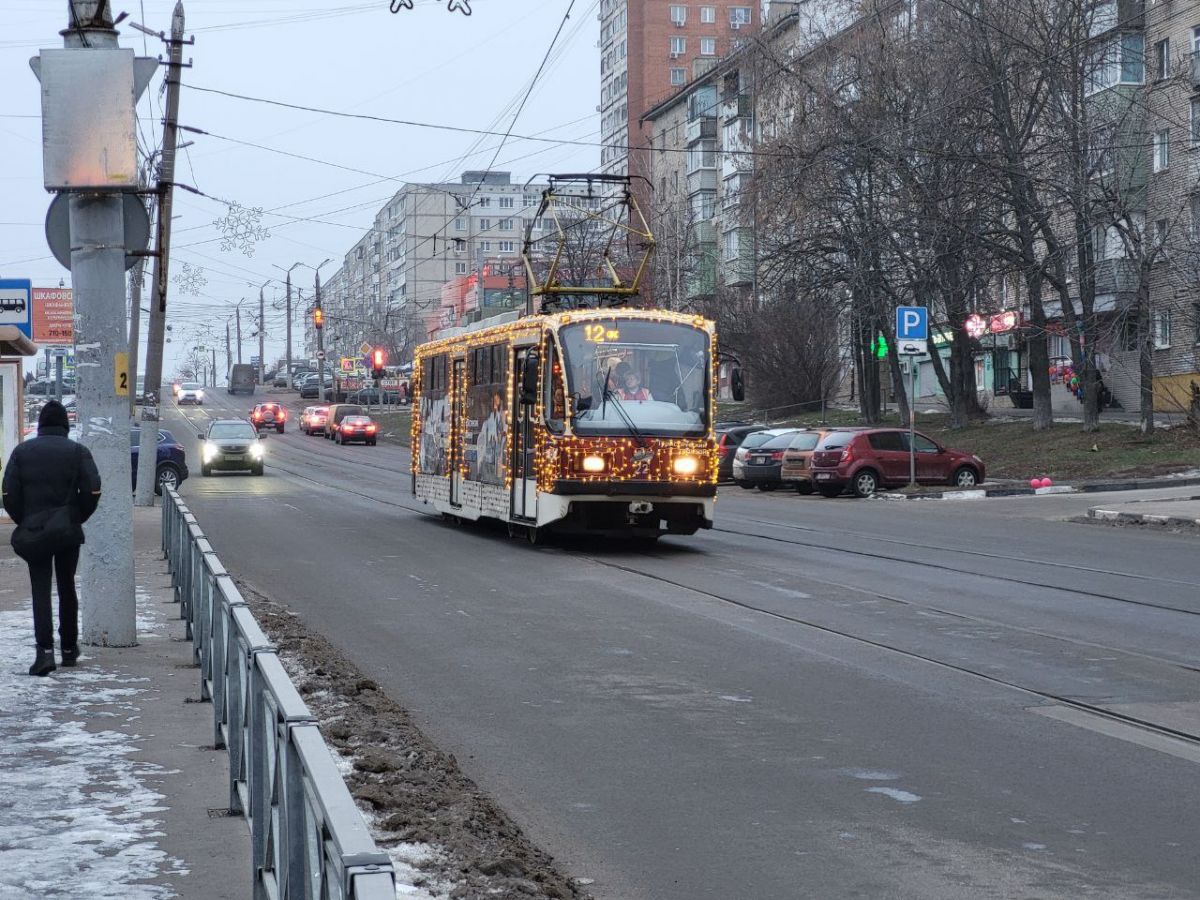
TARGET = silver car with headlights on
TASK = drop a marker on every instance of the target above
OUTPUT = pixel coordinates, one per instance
(231, 445)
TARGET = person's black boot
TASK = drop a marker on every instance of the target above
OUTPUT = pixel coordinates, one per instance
(70, 656)
(44, 664)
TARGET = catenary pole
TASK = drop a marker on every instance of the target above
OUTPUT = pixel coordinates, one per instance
(135, 327)
(156, 329)
(108, 611)
(261, 321)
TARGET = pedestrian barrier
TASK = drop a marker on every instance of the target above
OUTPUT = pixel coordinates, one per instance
(308, 840)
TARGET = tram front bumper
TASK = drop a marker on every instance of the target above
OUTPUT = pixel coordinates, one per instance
(620, 511)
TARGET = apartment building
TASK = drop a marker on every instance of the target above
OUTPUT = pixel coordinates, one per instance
(649, 49)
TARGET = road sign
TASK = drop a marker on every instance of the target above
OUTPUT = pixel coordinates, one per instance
(365, 348)
(912, 330)
(254, 360)
(16, 304)
(320, 354)
(58, 228)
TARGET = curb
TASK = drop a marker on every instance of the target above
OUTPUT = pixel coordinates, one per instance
(1094, 487)
(1113, 515)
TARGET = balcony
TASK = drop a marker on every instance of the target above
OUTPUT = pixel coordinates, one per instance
(705, 233)
(702, 180)
(740, 106)
(703, 128)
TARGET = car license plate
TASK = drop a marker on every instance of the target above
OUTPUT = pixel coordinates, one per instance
(759, 460)
(823, 476)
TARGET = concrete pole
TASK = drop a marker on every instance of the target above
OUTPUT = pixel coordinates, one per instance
(261, 319)
(156, 328)
(228, 352)
(135, 327)
(238, 312)
(108, 612)
(289, 333)
(58, 373)
(320, 343)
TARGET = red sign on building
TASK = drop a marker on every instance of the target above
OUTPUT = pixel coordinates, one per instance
(54, 316)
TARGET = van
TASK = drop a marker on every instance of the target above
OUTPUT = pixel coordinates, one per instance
(242, 378)
(337, 412)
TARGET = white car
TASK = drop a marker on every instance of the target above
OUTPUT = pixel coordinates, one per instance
(190, 392)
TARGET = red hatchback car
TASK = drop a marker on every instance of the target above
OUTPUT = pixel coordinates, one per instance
(869, 459)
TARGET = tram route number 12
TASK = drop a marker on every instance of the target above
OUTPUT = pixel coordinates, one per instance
(598, 334)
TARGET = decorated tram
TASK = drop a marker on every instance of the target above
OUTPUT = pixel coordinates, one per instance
(596, 420)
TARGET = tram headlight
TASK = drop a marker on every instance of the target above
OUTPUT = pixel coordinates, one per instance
(593, 464)
(686, 465)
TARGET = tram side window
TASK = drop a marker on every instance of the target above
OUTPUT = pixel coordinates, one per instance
(487, 414)
(554, 399)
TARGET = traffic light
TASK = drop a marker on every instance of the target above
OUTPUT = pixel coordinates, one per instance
(377, 360)
(318, 318)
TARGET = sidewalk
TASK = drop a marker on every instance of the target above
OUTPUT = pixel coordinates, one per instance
(110, 788)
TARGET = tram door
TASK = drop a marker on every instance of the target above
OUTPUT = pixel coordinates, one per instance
(457, 390)
(524, 480)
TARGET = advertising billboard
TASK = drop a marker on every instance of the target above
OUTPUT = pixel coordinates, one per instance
(54, 317)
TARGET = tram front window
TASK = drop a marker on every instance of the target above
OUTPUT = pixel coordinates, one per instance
(634, 375)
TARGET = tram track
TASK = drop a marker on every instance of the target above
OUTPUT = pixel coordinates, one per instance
(909, 561)
(1191, 738)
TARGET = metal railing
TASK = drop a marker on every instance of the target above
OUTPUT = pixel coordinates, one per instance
(308, 840)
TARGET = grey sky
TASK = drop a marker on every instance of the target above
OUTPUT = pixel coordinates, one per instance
(424, 65)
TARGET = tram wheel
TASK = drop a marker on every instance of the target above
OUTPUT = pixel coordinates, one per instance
(534, 535)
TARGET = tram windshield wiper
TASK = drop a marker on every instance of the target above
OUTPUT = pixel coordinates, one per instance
(624, 414)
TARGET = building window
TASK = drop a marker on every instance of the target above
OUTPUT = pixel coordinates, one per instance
(1162, 59)
(1162, 330)
(460, 268)
(506, 224)
(708, 46)
(529, 200)
(678, 75)
(485, 224)
(708, 15)
(679, 15)
(485, 246)
(678, 46)
(506, 202)
(1101, 150)
(739, 16)
(1162, 149)
(507, 246)
(484, 202)
(460, 225)
(1121, 60)
(1194, 122)
(1160, 238)
(1196, 39)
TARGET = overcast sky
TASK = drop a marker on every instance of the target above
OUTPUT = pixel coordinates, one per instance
(424, 65)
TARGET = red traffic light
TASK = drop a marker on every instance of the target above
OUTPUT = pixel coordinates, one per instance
(377, 358)
(318, 318)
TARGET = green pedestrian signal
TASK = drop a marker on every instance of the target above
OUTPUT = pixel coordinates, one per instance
(881, 347)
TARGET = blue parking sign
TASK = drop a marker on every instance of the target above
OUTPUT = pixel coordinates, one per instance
(912, 323)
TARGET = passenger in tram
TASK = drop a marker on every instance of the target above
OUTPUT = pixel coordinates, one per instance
(631, 384)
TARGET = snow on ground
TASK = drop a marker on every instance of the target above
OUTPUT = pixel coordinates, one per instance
(76, 816)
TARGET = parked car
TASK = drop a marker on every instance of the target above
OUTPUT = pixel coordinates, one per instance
(309, 389)
(373, 396)
(758, 460)
(312, 420)
(171, 460)
(42, 388)
(337, 412)
(729, 438)
(231, 445)
(796, 470)
(190, 392)
(269, 415)
(869, 459)
(356, 428)
(279, 379)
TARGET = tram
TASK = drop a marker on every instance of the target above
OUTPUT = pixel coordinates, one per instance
(593, 421)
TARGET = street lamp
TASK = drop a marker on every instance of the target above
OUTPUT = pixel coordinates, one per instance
(320, 334)
(288, 274)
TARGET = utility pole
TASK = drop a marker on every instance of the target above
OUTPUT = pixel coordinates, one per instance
(320, 337)
(238, 312)
(95, 169)
(261, 319)
(156, 330)
(288, 354)
(228, 353)
(135, 327)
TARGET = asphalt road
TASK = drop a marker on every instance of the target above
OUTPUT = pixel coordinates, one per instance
(820, 698)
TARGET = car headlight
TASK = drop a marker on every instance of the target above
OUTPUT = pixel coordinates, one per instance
(256, 450)
(686, 465)
(210, 452)
(199, 395)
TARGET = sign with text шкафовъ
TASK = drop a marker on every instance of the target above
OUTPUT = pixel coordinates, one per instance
(54, 317)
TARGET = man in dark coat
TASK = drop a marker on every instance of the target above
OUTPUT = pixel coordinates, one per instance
(39, 476)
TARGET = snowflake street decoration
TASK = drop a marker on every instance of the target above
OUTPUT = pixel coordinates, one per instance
(190, 279)
(241, 228)
(462, 6)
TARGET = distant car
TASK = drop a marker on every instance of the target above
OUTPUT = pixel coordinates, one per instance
(373, 396)
(171, 460)
(190, 392)
(796, 470)
(309, 390)
(279, 380)
(758, 460)
(312, 420)
(356, 428)
(729, 438)
(269, 415)
(337, 412)
(242, 378)
(231, 445)
(869, 459)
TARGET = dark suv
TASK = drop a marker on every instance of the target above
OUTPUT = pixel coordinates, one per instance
(171, 460)
(869, 459)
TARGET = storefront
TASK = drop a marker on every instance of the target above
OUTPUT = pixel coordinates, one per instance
(14, 347)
